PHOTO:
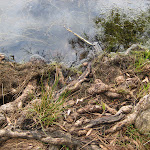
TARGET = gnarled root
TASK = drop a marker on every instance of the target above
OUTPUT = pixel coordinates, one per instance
(75, 85)
(16, 104)
(46, 138)
(141, 106)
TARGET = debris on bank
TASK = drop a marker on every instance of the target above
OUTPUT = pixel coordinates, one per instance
(101, 105)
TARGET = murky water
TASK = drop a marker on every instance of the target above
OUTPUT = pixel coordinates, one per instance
(37, 26)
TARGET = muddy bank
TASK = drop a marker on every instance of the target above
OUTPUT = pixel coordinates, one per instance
(92, 107)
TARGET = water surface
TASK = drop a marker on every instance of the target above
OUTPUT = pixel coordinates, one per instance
(30, 27)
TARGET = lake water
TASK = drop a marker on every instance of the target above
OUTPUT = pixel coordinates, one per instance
(30, 27)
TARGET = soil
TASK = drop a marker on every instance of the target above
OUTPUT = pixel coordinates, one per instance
(113, 81)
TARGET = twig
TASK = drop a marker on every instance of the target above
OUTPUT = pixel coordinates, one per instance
(146, 142)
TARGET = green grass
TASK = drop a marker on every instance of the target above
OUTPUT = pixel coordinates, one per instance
(134, 134)
(133, 138)
(49, 109)
(141, 59)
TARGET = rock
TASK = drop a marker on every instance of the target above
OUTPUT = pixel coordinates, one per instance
(3, 57)
(119, 80)
(37, 59)
(142, 122)
(134, 46)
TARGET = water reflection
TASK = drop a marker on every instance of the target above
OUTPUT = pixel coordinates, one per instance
(36, 26)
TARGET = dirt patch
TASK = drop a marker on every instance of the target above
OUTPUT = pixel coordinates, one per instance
(22, 144)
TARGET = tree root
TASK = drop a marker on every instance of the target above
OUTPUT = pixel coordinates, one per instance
(75, 85)
(141, 106)
(106, 119)
(18, 103)
(110, 119)
(46, 138)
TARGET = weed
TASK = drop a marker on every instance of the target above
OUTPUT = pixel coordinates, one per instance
(141, 58)
(144, 89)
(123, 91)
(132, 138)
(103, 106)
(64, 147)
(48, 109)
(134, 134)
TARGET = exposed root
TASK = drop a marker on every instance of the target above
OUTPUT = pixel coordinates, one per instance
(20, 100)
(106, 119)
(75, 85)
(59, 76)
(141, 106)
(46, 138)
(16, 104)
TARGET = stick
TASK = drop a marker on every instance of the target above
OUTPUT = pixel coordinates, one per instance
(78, 36)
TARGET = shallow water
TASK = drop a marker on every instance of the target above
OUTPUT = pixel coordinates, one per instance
(30, 27)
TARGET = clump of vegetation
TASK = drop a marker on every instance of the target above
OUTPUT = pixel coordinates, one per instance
(141, 59)
(119, 31)
(47, 111)
(134, 134)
